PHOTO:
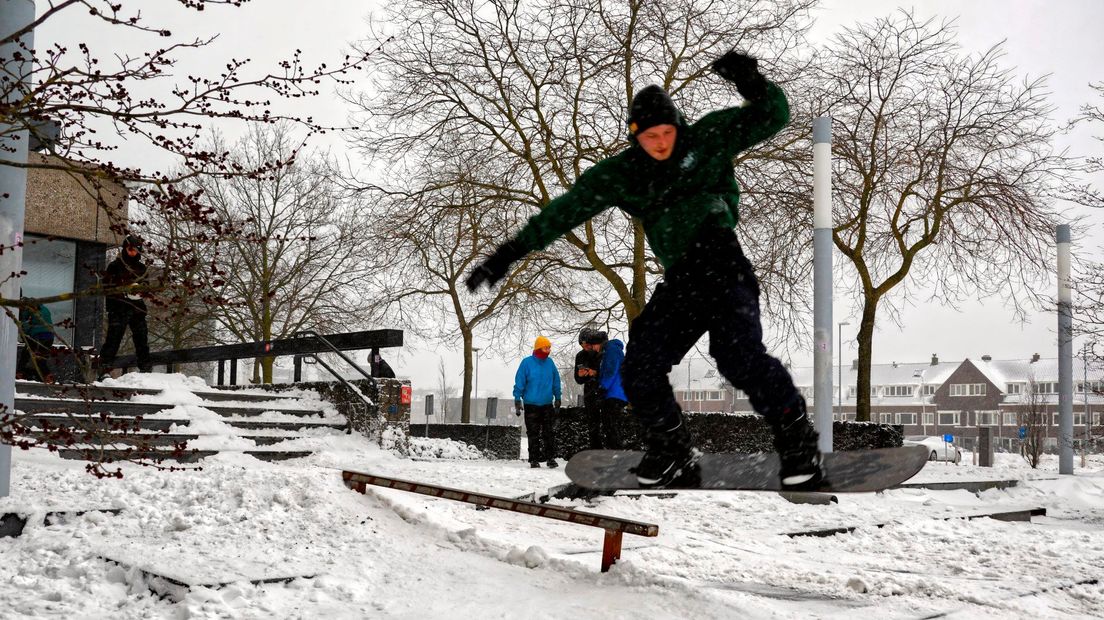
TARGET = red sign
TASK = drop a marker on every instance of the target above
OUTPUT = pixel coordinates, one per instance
(404, 395)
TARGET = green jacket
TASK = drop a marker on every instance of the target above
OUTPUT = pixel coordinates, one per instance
(37, 322)
(672, 198)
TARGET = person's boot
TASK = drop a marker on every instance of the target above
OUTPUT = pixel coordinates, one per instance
(534, 464)
(552, 464)
(795, 440)
(669, 456)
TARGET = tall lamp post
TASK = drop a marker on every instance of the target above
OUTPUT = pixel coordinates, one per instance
(923, 403)
(839, 388)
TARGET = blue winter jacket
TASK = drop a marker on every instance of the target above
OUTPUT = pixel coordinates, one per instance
(609, 374)
(537, 381)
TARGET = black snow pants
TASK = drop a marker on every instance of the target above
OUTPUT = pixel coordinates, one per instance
(539, 426)
(711, 289)
(119, 317)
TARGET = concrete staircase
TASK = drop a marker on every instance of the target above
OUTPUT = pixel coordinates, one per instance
(129, 423)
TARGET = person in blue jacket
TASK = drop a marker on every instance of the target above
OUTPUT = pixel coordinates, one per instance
(612, 400)
(537, 396)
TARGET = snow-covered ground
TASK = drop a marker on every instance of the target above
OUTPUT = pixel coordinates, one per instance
(390, 554)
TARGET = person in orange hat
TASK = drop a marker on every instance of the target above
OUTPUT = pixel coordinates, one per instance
(537, 396)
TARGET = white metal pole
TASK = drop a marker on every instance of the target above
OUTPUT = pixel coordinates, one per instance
(1065, 353)
(822, 280)
(14, 16)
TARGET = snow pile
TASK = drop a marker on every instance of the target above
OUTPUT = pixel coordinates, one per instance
(428, 447)
(388, 553)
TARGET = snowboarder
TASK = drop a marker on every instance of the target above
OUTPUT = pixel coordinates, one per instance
(678, 179)
(125, 309)
(537, 397)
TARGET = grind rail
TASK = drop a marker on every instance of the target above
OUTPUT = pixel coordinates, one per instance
(615, 527)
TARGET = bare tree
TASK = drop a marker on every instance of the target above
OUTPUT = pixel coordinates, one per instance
(106, 101)
(534, 94)
(444, 389)
(1033, 419)
(944, 168)
(300, 247)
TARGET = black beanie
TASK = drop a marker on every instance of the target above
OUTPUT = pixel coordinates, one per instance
(133, 241)
(650, 107)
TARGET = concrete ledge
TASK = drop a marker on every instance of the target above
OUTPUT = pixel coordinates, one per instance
(1007, 515)
(186, 456)
(176, 589)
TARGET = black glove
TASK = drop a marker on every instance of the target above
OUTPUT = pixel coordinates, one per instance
(556, 405)
(495, 267)
(518, 408)
(743, 71)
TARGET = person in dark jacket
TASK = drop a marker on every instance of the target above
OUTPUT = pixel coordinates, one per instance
(678, 179)
(613, 401)
(587, 363)
(36, 325)
(537, 396)
(125, 308)
(379, 366)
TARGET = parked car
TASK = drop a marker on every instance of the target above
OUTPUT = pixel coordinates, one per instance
(939, 450)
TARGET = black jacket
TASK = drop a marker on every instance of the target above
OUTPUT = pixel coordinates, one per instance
(124, 271)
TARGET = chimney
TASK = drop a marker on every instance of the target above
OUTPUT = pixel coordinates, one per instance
(1034, 358)
(986, 358)
(935, 360)
(855, 364)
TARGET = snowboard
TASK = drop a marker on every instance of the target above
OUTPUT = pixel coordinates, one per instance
(852, 471)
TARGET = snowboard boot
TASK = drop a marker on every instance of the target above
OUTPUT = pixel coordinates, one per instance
(534, 465)
(552, 464)
(669, 456)
(795, 440)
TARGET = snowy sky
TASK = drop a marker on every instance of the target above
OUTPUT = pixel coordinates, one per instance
(1042, 37)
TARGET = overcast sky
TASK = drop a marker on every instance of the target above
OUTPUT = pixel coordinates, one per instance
(1059, 38)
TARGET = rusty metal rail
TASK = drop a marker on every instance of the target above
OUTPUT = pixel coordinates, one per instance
(615, 527)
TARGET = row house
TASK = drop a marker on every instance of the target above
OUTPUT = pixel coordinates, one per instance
(932, 398)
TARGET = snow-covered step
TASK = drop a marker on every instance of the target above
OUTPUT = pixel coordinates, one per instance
(188, 455)
(80, 391)
(129, 408)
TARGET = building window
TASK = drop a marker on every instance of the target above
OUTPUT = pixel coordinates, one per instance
(948, 418)
(929, 419)
(1010, 419)
(1055, 420)
(873, 391)
(907, 419)
(739, 395)
(851, 392)
(717, 395)
(51, 266)
(898, 390)
(1046, 387)
(967, 389)
(1078, 418)
(1014, 388)
(928, 389)
(987, 418)
(885, 418)
(1094, 386)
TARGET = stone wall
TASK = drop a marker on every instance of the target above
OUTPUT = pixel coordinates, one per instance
(719, 432)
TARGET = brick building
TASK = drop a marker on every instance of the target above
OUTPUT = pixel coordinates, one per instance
(66, 240)
(933, 398)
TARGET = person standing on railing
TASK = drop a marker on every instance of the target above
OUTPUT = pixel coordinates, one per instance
(125, 308)
(537, 396)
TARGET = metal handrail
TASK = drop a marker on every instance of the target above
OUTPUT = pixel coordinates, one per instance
(307, 333)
